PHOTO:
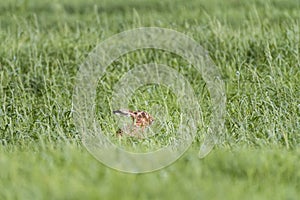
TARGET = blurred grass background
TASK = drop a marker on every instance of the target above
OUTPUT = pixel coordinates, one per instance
(255, 44)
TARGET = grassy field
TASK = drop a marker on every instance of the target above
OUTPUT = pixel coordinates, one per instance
(255, 45)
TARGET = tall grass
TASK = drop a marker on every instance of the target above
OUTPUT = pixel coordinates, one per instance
(255, 45)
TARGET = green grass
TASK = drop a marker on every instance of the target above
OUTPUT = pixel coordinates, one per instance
(72, 173)
(255, 45)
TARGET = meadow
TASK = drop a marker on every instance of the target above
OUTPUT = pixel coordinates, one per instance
(255, 46)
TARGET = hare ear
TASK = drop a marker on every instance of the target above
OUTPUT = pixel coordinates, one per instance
(122, 112)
